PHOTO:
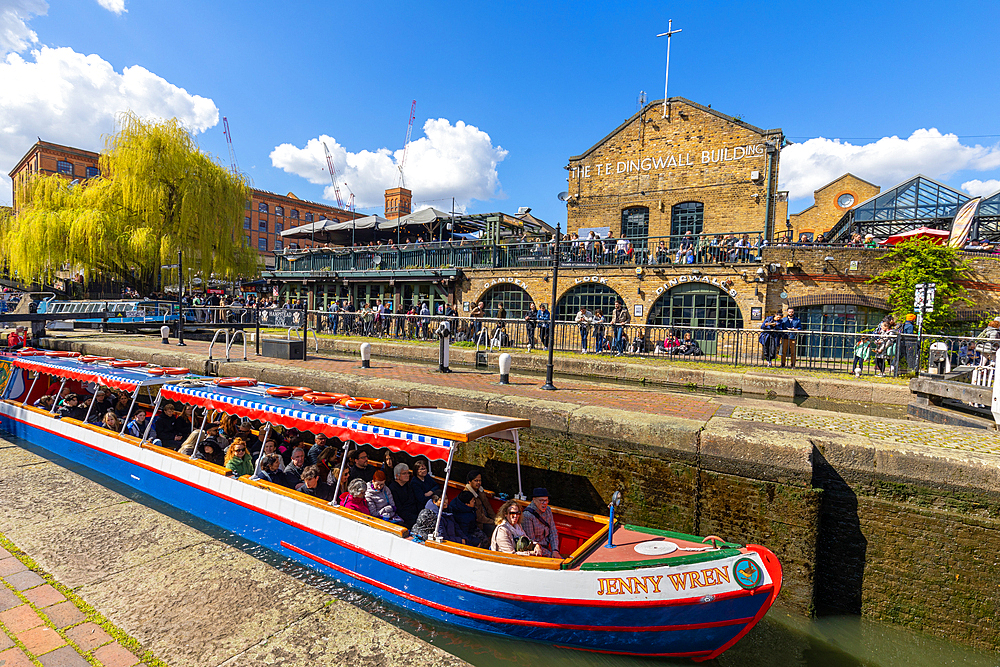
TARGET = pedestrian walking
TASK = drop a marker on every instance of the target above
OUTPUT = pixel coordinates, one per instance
(530, 321)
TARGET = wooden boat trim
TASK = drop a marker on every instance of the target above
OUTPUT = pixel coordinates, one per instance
(570, 561)
(496, 556)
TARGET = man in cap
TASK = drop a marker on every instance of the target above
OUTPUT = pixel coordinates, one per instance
(909, 341)
(539, 524)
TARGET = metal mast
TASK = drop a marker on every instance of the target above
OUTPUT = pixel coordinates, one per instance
(229, 141)
(666, 77)
(406, 144)
(333, 175)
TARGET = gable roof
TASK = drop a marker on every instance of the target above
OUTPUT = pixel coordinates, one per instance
(672, 100)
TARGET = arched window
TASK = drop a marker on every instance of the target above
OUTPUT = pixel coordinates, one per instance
(687, 217)
(309, 216)
(514, 299)
(591, 296)
(698, 308)
(635, 222)
(294, 214)
(262, 207)
(279, 210)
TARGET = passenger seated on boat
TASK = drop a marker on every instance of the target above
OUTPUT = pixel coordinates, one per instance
(312, 485)
(45, 402)
(271, 447)
(509, 537)
(485, 516)
(229, 429)
(354, 499)
(329, 465)
(212, 436)
(238, 459)
(251, 440)
(407, 504)
(361, 469)
(137, 426)
(71, 408)
(539, 524)
(463, 508)
(426, 520)
(380, 500)
(122, 404)
(290, 439)
(294, 468)
(111, 422)
(320, 442)
(424, 486)
(102, 403)
(345, 479)
(17, 338)
(210, 452)
(270, 470)
(165, 426)
(187, 447)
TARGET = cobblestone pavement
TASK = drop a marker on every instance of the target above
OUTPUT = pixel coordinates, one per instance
(887, 430)
(39, 625)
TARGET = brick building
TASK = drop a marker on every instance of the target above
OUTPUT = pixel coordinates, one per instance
(830, 203)
(267, 213)
(695, 169)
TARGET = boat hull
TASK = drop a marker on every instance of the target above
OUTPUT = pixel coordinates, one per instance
(478, 595)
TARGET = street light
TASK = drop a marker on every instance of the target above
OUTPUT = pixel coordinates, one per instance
(548, 386)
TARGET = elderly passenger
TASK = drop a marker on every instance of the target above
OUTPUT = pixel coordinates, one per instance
(354, 498)
(379, 499)
(402, 490)
(539, 524)
(509, 537)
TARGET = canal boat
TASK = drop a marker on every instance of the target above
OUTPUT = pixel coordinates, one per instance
(622, 589)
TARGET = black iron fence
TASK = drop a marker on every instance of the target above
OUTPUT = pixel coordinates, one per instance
(735, 248)
(893, 353)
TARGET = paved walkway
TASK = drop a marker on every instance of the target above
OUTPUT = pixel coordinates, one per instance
(44, 623)
(656, 400)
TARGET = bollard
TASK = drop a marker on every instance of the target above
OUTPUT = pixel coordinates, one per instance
(165, 333)
(939, 359)
(444, 346)
(366, 355)
(504, 362)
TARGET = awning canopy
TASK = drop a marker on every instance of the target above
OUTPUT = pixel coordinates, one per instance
(454, 425)
(332, 420)
(126, 379)
(938, 235)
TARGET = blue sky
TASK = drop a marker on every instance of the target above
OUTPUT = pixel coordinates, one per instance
(506, 92)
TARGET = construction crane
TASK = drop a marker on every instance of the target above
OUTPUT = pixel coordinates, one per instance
(333, 175)
(406, 144)
(229, 141)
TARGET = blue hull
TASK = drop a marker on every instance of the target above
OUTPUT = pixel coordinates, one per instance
(694, 630)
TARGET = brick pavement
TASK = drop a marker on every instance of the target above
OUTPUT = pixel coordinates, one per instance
(40, 626)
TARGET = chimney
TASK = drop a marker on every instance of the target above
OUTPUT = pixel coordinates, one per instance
(397, 202)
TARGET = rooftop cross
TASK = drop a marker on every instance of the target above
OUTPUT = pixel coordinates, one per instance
(666, 78)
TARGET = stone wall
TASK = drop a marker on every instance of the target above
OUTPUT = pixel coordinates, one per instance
(826, 209)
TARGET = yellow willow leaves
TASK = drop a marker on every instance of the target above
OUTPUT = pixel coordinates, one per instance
(158, 194)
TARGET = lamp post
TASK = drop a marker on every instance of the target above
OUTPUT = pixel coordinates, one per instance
(180, 300)
(548, 386)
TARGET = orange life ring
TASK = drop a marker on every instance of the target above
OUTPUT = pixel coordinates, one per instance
(154, 371)
(30, 353)
(236, 382)
(176, 370)
(57, 353)
(288, 392)
(128, 363)
(89, 359)
(324, 398)
(364, 403)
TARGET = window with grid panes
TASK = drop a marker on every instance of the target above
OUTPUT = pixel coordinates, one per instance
(279, 210)
(262, 243)
(514, 299)
(262, 225)
(591, 296)
(293, 214)
(635, 222)
(246, 222)
(64, 167)
(687, 217)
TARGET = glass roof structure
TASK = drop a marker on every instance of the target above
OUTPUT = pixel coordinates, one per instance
(917, 202)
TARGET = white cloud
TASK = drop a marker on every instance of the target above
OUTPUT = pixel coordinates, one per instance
(807, 166)
(457, 161)
(15, 35)
(66, 97)
(978, 188)
(116, 6)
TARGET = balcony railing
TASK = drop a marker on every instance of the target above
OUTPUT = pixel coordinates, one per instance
(736, 248)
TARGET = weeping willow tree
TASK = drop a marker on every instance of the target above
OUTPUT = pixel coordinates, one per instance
(158, 194)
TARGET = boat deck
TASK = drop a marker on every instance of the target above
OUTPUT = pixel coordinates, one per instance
(653, 546)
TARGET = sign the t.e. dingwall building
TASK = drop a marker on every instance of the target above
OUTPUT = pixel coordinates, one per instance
(694, 170)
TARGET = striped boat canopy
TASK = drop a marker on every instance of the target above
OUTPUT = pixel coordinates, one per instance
(126, 379)
(332, 420)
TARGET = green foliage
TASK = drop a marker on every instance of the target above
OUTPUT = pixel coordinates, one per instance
(922, 261)
(158, 194)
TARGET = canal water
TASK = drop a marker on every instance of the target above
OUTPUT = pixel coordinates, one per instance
(782, 639)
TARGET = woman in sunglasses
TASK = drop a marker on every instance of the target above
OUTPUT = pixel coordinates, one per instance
(509, 537)
(238, 459)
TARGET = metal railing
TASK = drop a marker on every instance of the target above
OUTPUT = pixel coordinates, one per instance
(844, 352)
(735, 248)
